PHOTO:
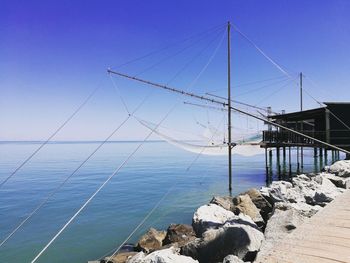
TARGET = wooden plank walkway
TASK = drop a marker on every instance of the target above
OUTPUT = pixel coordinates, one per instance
(324, 238)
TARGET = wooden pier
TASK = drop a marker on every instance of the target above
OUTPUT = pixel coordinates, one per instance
(323, 238)
(320, 124)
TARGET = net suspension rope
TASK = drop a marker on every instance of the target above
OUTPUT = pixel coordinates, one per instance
(51, 136)
(224, 104)
(284, 71)
(188, 168)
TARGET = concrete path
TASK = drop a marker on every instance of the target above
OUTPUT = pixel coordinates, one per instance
(324, 238)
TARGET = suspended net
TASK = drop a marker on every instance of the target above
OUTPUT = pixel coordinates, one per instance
(213, 146)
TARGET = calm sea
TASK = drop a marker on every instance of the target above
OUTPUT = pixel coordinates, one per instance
(120, 206)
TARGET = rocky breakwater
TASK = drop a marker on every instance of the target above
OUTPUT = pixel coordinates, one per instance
(242, 228)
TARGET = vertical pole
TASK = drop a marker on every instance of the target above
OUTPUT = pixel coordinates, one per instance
(266, 167)
(278, 159)
(229, 104)
(302, 124)
(290, 162)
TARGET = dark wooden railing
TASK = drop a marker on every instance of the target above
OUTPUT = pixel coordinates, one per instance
(339, 137)
(292, 138)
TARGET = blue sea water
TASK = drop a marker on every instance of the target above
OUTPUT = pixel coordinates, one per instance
(120, 206)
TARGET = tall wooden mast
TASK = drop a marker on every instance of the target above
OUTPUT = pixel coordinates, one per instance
(302, 123)
(229, 105)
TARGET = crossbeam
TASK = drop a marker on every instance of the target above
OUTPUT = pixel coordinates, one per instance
(224, 104)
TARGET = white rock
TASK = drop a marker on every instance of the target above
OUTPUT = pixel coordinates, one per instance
(325, 193)
(211, 216)
(340, 168)
(238, 237)
(278, 190)
(170, 255)
(232, 259)
(338, 181)
(282, 222)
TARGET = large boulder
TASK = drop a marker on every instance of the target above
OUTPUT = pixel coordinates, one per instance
(338, 181)
(210, 216)
(232, 259)
(122, 257)
(237, 237)
(340, 168)
(325, 192)
(277, 191)
(169, 255)
(179, 234)
(304, 209)
(225, 202)
(260, 202)
(151, 241)
(243, 204)
(283, 221)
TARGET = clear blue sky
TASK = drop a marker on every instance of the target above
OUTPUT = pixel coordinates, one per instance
(54, 53)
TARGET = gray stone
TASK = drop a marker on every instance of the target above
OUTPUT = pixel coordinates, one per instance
(338, 181)
(169, 255)
(223, 201)
(260, 202)
(277, 191)
(151, 241)
(179, 234)
(232, 259)
(121, 257)
(325, 192)
(210, 216)
(283, 221)
(243, 204)
(238, 237)
(340, 168)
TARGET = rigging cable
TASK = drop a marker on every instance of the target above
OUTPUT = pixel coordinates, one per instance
(115, 251)
(262, 87)
(250, 83)
(281, 69)
(173, 55)
(159, 202)
(52, 193)
(121, 165)
(261, 51)
(50, 137)
(322, 105)
(274, 92)
(171, 45)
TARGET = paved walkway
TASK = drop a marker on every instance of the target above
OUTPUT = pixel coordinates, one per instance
(324, 238)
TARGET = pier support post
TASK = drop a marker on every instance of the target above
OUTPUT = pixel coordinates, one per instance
(347, 156)
(270, 165)
(266, 167)
(321, 152)
(325, 156)
(290, 162)
(278, 161)
(298, 163)
(315, 152)
(302, 158)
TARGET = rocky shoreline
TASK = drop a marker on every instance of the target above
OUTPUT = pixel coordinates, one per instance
(243, 228)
